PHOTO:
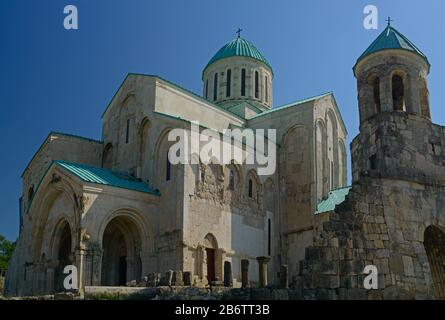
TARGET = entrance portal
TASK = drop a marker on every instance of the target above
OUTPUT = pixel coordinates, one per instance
(121, 252)
(210, 255)
(63, 257)
(434, 242)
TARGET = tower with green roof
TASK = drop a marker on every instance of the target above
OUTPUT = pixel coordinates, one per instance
(393, 99)
(239, 77)
(392, 77)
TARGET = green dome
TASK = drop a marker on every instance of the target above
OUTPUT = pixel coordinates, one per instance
(389, 39)
(239, 47)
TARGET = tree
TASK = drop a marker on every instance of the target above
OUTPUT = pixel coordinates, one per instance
(6, 250)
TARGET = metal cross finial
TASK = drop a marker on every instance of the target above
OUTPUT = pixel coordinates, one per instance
(389, 20)
(239, 32)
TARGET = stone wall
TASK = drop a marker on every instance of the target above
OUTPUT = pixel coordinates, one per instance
(381, 223)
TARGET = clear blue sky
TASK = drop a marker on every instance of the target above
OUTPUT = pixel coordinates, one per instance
(53, 79)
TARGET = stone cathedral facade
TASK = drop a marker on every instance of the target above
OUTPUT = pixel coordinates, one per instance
(118, 210)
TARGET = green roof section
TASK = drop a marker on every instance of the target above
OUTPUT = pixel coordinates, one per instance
(239, 47)
(334, 198)
(391, 39)
(105, 177)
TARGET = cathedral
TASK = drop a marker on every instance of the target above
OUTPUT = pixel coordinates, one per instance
(119, 210)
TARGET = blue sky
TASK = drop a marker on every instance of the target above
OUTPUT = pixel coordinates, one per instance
(54, 79)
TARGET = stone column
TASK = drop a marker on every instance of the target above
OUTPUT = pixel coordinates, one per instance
(200, 253)
(284, 277)
(245, 273)
(228, 281)
(262, 263)
(414, 96)
(177, 278)
(80, 264)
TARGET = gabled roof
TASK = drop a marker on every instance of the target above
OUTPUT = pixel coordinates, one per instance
(334, 198)
(105, 177)
(300, 102)
(239, 47)
(55, 133)
(174, 85)
(391, 39)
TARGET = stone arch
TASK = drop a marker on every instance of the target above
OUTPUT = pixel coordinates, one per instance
(61, 252)
(342, 164)
(320, 155)
(45, 198)
(125, 239)
(107, 156)
(212, 258)
(400, 90)
(234, 180)
(434, 243)
(253, 186)
(161, 157)
(424, 98)
(143, 148)
(332, 149)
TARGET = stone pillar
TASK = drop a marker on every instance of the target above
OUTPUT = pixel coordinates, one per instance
(228, 281)
(262, 263)
(80, 264)
(220, 255)
(386, 94)
(245, 273)
(284, 277)
(177, 278)
(200, 255)
(414, 106)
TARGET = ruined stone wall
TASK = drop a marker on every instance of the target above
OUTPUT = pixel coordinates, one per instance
(382, 223)
(404, 146)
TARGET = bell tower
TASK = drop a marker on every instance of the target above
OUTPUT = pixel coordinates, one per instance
(393, 101)
(391, 77)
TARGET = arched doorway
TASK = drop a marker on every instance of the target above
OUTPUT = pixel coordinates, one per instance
(63, 255)
(434, 242)
(121, 262)
(211, 247)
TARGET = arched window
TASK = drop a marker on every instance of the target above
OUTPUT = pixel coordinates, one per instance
(207, 89)
(424, 99)
(250, 193)
(257, 85)
(266, 85)
(243, 82)
(232, 180)
(376, 94)
(215, 87)
(228, 82)
(168, 170)
(107, 157)
(127, 133)
(398, 93)
(30, 195)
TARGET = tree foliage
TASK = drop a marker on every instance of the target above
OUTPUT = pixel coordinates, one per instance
(6, 250)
